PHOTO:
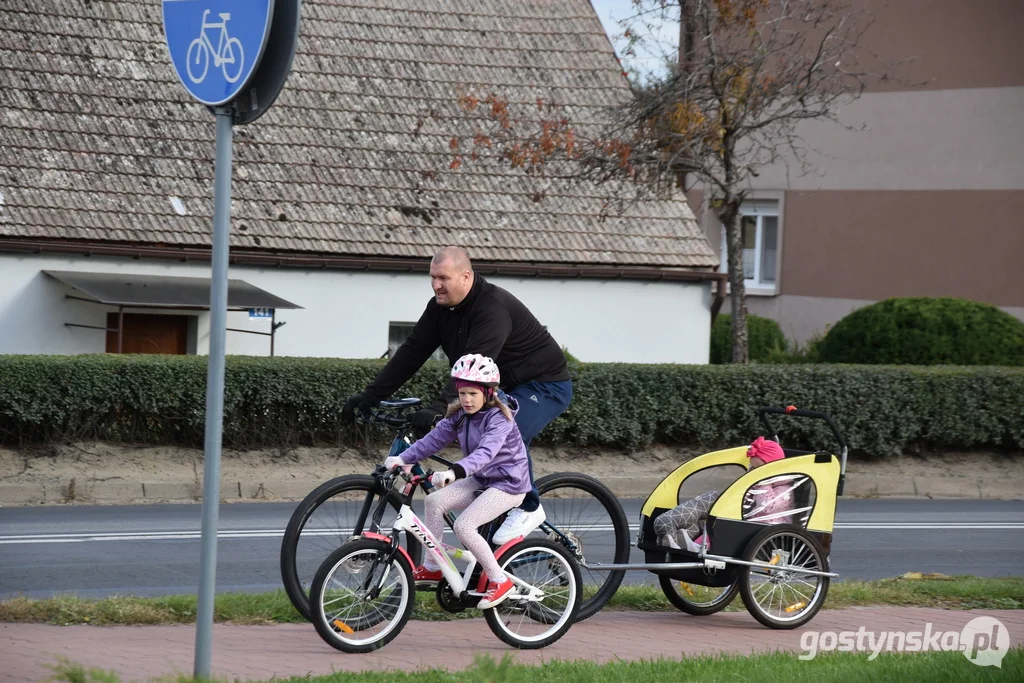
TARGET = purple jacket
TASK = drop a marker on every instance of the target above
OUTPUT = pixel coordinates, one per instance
(493, 451)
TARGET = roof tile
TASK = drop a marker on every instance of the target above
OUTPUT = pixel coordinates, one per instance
(96, 135)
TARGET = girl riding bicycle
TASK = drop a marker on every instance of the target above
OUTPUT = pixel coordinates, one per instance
(494, 459)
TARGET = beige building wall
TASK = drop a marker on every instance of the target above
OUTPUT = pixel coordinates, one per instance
(928, 198)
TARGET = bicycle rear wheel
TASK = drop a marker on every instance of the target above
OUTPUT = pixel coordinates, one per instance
(325, 520)
(585, 517)
(542, 608)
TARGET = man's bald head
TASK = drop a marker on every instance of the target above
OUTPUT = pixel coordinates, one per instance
(451, 276)
(456, 256)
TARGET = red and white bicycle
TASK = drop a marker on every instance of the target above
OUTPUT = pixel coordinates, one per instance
(363, 593)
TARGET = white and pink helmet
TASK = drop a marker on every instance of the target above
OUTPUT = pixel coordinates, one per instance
(476, 369)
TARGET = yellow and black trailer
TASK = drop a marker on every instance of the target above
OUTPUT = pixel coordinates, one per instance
(776, 555)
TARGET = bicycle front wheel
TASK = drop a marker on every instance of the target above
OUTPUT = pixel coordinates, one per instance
(325, 520)
(362, 596)
(585, 517)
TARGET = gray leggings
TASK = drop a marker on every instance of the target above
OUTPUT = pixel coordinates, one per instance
(477, 511)
(685, 517)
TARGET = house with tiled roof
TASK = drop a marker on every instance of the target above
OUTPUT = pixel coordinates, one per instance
(341, 193)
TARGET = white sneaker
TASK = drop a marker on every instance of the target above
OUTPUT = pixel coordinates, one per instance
(519, 522)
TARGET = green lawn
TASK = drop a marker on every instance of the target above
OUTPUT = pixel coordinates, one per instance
(960, 592)
(929, 667)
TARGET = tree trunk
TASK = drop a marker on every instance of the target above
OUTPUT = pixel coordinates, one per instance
(687, 36)
(729, 215)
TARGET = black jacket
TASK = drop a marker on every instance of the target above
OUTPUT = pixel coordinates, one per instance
(489, 321)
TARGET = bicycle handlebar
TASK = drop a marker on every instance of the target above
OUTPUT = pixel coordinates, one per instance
(382, 417)
(393, 420)
(414, 476)
(400, 420)
(793, 411)
(381, 414)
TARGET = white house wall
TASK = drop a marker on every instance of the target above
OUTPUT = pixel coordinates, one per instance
(346, 314)
(618, 321)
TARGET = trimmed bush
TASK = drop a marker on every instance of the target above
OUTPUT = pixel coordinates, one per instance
(284, 402)
(568, 356)
(925, 331)
(162, 399)
(764, 339)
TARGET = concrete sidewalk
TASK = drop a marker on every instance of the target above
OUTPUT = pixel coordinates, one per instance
(259, 653)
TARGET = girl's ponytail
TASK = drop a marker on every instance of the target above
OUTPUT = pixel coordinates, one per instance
(494, 401)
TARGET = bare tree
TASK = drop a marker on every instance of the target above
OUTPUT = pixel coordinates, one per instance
(746, 73)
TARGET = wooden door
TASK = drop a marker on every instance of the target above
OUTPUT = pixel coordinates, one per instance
(149, 333)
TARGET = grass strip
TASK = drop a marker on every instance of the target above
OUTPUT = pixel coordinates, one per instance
(958, 592)
(930, 667)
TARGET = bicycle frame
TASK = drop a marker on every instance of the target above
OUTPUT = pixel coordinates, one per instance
(408, 522)
(216, 53)
(424, 484)
(402, 436)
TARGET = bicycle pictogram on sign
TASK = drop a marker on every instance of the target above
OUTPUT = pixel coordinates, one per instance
(216, 46)
(228, 55)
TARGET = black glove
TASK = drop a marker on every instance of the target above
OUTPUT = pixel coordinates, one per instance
(358, 402)
(424, 419)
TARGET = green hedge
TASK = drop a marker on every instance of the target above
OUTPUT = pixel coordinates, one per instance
(764, 339)
(925, 331)
(162, 399)
(283, 402)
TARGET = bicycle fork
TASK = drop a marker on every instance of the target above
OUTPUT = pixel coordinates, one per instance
(368, 590)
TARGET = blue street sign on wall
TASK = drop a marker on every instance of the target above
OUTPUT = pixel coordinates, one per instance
(216, 45)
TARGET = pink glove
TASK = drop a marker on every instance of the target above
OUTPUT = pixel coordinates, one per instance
(442, 479)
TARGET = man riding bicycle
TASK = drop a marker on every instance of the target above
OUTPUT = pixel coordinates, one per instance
(470, 315)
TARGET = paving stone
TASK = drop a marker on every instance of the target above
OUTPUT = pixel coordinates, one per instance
(283, 650)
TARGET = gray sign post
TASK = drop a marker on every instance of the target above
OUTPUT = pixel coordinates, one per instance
(233, 56)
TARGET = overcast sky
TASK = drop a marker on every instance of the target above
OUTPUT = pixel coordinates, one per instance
(665, 35)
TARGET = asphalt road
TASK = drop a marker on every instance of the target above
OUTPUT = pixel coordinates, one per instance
(154, 549)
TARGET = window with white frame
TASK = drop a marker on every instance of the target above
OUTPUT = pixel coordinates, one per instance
(399, 332)
(759, 221)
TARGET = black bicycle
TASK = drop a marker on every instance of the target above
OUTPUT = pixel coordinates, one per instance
(583, 516)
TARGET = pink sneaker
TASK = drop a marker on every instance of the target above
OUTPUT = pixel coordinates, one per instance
(496, 594)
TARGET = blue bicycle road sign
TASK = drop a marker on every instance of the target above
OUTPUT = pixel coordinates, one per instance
(216, 45)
